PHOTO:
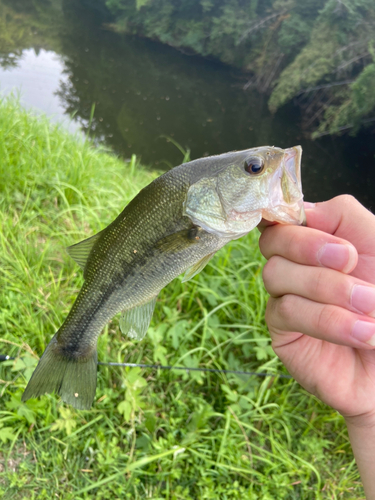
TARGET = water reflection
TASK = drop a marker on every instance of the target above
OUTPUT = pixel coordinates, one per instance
(144, 91)
(37, 76)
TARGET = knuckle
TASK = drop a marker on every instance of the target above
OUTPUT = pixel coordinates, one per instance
(265, 243)
(320, 283)
(294, 241)
(269, 271)
(327, 319)
(286, 308)
(270, 312)
(295, 245)
(347, 199)
(331, 287)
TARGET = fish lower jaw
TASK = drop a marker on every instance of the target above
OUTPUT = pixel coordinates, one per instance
(282, 214)
(230, 228)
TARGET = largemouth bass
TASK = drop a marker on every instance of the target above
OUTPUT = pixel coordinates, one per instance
(174, 225)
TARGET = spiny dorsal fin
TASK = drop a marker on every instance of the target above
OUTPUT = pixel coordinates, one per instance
(135, 322)
(80, 251)
(197, 267)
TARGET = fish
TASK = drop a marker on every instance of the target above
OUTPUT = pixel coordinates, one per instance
(174, 225)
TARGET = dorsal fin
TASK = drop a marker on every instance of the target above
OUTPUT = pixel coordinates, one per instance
(80, 251)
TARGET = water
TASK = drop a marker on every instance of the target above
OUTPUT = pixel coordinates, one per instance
(145, 92)
(36, 80)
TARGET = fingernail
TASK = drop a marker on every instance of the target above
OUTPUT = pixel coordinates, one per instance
(363, 299)
(364, 332)
(337, 256)
(309, 205)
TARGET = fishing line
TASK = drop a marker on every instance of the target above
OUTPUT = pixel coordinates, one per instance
(4, 357)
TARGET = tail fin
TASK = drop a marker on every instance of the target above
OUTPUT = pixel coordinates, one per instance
(73, 379)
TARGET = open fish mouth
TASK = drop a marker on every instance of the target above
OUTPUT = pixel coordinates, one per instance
(286, 197)
(291, 183)
(292, 162)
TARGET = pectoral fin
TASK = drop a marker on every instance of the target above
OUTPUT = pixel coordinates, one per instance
(135, 322)
(80, 251)
(197, 268)
(179, 241)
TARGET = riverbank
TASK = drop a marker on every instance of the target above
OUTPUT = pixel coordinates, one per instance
(150, 434)
(314, 53)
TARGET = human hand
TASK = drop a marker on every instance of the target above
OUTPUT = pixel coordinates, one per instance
(322, 306)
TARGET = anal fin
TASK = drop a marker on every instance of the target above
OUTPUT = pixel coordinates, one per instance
(135, 322)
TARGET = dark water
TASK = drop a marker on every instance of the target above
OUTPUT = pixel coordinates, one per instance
(144, 91)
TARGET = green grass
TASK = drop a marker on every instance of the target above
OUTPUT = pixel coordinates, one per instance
(151, 434)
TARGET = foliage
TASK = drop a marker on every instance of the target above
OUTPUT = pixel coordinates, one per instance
(151, 433)
(288, 46)
(351, 105)
(233, 31)
(339, 56)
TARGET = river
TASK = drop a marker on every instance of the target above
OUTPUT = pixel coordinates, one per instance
(66, 62)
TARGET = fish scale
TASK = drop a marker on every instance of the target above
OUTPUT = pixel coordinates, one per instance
(174, 225)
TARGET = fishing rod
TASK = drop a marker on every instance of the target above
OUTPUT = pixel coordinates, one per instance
(4, 357)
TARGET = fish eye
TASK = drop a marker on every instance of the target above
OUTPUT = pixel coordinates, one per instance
(254, 165)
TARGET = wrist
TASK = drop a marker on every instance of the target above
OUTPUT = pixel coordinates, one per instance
(361, 429)
(361, 421)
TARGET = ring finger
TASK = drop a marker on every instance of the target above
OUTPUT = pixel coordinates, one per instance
(319, 284)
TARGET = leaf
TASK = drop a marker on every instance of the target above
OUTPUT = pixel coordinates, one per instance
(142, 3)
(231, 395)
(132, 375)
(150, 422)
(159, 354)
(125, 408)
(6, 434)
(67, 423)
(192, 361)
(177, 332)
(156, 335)
(261, 353)
(26, 364)
(21, 409)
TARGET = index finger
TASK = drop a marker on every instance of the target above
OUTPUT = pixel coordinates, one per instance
(265, 223)
(308, 246)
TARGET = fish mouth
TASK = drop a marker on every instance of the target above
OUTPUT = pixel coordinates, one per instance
(292, 183)
(287, 199)
(292, 163)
